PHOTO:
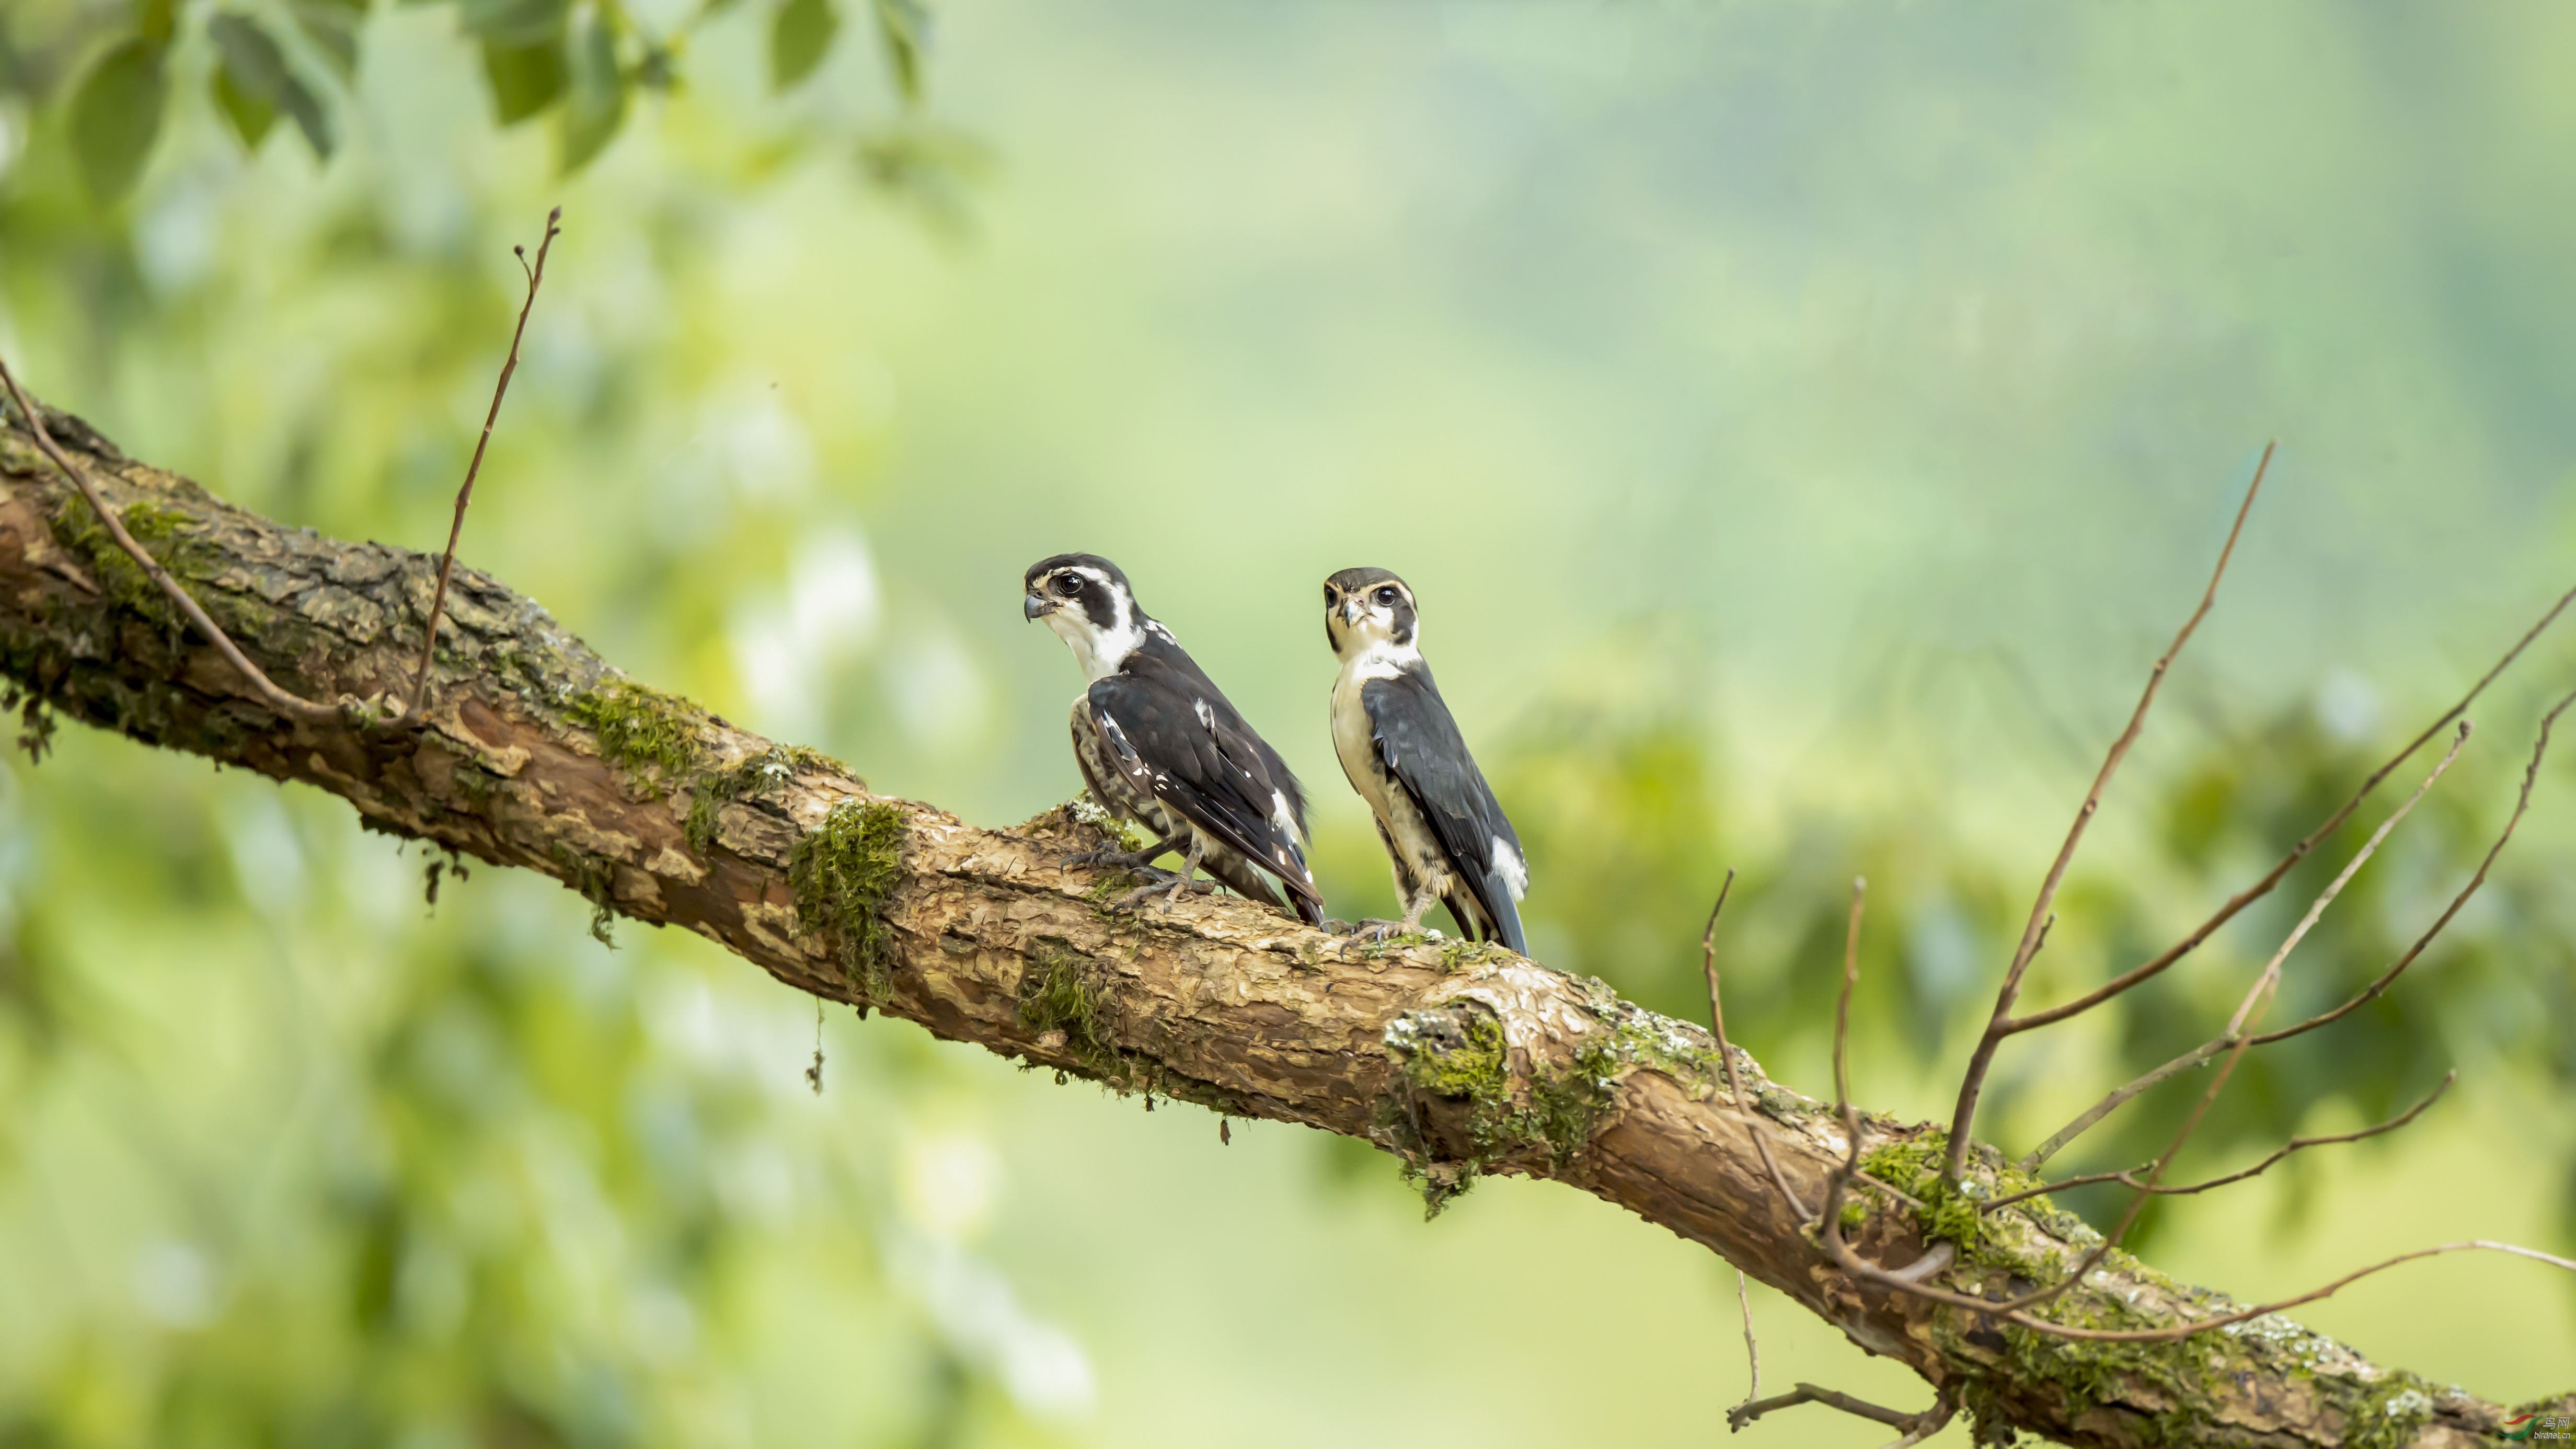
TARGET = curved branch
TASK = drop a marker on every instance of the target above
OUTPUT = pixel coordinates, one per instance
(534, 753)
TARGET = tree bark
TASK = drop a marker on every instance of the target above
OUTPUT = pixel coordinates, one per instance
(1459, 1061)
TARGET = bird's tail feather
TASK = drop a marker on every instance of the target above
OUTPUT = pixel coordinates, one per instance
(1507, 916)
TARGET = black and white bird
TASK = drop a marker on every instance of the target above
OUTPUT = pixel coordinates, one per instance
(1444, 831)
(1158, 743)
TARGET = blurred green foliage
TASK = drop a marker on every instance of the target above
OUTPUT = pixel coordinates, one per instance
(440, 1185)
(581, 60)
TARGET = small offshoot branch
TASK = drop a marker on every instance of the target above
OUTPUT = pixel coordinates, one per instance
(465, 494)
(1963, 1119)
(291, 705)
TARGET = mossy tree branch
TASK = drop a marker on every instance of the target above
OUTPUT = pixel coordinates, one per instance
(1459, 1061)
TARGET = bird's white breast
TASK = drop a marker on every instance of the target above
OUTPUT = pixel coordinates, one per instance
(1356, 747)
(1352, 743)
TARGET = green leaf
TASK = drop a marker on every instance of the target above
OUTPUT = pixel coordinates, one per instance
(525, 78)
(253, 83)
(598, 104)
(250, 71)
(332, 26)
(799, 37)
(306, 107)
(155, 19)
(250, 116)
(116, 115)
(903, 28)
(513, 23)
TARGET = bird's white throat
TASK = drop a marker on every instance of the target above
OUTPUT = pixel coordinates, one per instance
(1099, 651)
(1381, 659)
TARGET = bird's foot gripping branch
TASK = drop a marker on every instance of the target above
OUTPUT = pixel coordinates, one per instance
(531, 752)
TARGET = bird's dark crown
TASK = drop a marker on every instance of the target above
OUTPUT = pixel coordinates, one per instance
(1355, 581)
(1043, 567)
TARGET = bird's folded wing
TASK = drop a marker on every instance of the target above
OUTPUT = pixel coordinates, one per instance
(1423, 750)
(1199, 758)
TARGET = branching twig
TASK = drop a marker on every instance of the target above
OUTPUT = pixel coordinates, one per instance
(1746, 1413)
(293, 706)
(2186, 1330)
(1831, 1234)
(1972, 1082)
(2234, 1039)
(2128, 1176)
(2256, 998)
(1726, 1054)
(465, 494)
(2530, 777)
(2281, 868)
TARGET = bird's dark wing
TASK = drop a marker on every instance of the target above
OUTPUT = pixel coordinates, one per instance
(1175, 736)
(1162, 654)
(1423, 750)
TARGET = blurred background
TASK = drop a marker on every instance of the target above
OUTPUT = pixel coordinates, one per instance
(1802, 425)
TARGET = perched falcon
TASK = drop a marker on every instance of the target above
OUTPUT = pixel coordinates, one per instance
(1159, 744)
(1448, 838)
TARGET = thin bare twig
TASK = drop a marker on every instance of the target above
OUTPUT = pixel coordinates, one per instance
(1908, 1279)
(1726, 1054)
(2530, 777)
(2149, 969)
(1972, 1082)
(465, 494)
(2015, 1310)
(2234, 1038)
(1752, 1348)
(1744, 1414)
(2128, 1176)
(1842, 1012)
(1830, 1234)
(291, 705)
(1841, 1178)
(2186, 1330)
(2256, 999)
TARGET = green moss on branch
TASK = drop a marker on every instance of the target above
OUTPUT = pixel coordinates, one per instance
(1056, 994)
(1458, 1054)
(652, 736)
(842, 874)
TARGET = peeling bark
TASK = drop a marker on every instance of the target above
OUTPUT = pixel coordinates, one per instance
(1460, 1061)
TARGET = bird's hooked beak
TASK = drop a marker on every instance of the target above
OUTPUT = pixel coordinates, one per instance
(1035, 606)
(1351, 609)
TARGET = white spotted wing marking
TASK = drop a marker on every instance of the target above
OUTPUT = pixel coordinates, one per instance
(1285, 820)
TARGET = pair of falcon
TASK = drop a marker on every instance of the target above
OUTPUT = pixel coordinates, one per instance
(1159, 744)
